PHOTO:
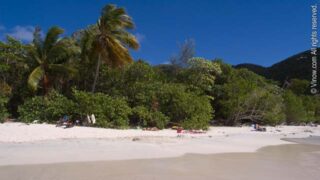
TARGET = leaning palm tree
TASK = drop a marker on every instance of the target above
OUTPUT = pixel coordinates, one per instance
(50, 56)
(111, 40)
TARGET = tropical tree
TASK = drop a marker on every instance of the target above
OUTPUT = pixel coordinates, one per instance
(201, 73)
(14, 71)
(50, 58)
(299, 86)
(110, 39)
(5, 91)
(294, 108)
(244, 96)
(12, 53)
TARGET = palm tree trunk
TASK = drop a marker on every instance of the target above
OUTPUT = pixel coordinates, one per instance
(46, 85)
(96, 74)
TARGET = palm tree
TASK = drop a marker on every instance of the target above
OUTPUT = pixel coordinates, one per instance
(111, 39)
(50, 56)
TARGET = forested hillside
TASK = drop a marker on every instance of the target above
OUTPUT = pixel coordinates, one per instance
(298, 66)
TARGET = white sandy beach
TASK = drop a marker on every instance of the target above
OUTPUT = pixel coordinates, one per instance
(43, 143)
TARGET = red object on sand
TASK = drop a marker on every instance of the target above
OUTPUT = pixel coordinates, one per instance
(179, 130)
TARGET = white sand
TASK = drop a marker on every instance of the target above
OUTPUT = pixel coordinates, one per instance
(43, 143)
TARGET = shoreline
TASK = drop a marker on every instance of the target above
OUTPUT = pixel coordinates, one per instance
(286, 162)
(22, 144)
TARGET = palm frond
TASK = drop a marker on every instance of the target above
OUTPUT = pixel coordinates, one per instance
(87, 41)
(34, 55)
(52, 37)
(62, 51)
(35, 77)
(113, 18)
(63, 69)
(117, 54)
(110, 39)
(127, 39)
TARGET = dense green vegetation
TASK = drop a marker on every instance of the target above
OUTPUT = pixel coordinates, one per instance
(92, 72)
(3, 109)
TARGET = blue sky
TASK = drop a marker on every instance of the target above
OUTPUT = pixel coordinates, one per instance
(238, 31)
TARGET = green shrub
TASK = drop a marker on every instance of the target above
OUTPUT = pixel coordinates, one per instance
(159, 120)
(275, 115)
(3, 109)
(57, 106)
(116, 82)
(46, 109)
(143, 117)
(311, 105)
(294, 108)
(5, 92)
(32, 109)
(157, 104)
(109, 111)
(191, 110)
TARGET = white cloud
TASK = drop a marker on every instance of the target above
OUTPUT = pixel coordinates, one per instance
(23, 33)
(140, 37)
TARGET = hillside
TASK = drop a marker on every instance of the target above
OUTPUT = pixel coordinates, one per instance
(297, 66)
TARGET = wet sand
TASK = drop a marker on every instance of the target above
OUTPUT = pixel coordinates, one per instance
(315, 140)
(282, 162)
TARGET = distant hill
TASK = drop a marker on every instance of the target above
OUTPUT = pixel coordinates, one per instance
(297, 66)
(253, 67)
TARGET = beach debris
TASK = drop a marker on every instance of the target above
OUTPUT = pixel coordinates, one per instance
(308, 131)
(10, 120)
(136, 139)
(312, 125)
(175, 127)
(35, 122)
(150, 129)
(192, 131)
